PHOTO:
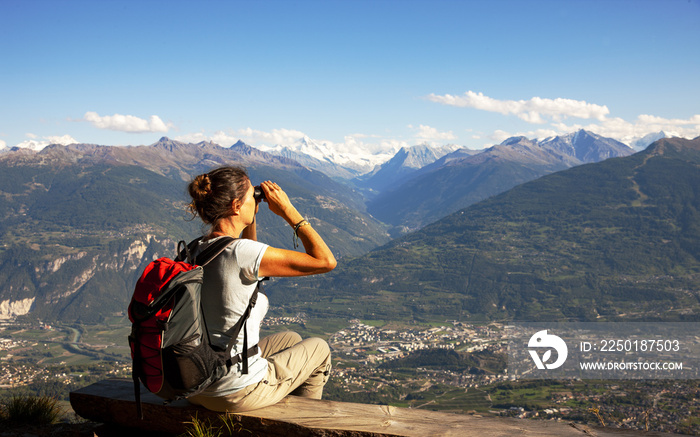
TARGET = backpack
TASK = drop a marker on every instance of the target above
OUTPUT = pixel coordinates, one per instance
(171, 351)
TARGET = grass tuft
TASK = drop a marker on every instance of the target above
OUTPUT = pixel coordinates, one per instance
(205, 428)
(21, 409)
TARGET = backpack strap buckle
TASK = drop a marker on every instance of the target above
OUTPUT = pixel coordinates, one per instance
(243, 357)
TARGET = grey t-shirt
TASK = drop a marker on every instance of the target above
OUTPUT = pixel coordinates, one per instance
(229, 282)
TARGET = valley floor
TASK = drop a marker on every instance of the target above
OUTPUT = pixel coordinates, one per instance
(375, 362)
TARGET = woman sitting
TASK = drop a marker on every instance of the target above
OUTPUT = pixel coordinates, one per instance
(285, 364)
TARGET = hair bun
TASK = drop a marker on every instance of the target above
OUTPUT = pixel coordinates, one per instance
(201, 187)
(213, 193)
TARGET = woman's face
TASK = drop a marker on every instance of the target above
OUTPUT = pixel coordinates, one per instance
(248, 206)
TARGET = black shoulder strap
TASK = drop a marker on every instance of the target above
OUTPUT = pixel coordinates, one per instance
(207, 255)
(204, 258)
(236, 329)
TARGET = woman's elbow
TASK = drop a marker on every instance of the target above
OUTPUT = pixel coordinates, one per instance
(329, 264)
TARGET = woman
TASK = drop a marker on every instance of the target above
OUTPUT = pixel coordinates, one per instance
(224, 199)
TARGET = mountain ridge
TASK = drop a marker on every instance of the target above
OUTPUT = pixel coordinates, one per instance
(97, 214)
(463, 178)
(406, 162)
(95, 218)
(613, 240)
(326, 165)
(320, 153)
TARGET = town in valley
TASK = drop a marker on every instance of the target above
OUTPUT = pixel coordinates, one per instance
(374, 362)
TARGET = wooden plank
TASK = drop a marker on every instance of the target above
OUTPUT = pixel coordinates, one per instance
(112, 401)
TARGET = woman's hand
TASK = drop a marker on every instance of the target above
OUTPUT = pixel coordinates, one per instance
(280, 262)
(279, 203)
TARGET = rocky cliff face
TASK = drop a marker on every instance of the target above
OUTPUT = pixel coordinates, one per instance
(85, 285)
(10, 309)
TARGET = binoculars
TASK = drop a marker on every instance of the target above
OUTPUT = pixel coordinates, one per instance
(258, 193)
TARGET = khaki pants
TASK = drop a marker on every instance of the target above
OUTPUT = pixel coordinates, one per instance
(294, 366)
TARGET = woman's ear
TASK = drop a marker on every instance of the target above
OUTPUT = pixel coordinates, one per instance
(236, 206)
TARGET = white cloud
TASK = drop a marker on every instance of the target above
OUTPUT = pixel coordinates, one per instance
(2, 144)
(555, 112)
(617, 128)
(531, 111)
(427, 133)
(196, 137)
(282, 137)
(126, 123)
(499, 136)
(364, 144)
(252, 137)
(360, 146)
(645, 124)
(692, 122)
(63, 140)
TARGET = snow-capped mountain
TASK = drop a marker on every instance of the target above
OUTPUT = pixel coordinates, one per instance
(348, 161)
(581, 146)
(462, 178)
(586, 146)
(402, 165)
(323, 165)
(33, 145)
(643, 142)
(38, 145)
(358, 160)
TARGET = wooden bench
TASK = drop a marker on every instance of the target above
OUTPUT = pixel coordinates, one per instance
(112, 402)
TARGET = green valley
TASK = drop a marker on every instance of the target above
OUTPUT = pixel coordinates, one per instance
(615, 240)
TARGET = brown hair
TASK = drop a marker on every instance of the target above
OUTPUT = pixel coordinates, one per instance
(213, 193)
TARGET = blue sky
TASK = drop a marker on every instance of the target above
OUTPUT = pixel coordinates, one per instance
(358, 75)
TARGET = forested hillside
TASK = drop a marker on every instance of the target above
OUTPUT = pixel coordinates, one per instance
(80, 222)
(608, 240)
(619, 239)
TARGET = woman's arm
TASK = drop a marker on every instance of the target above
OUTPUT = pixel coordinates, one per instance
(280, 262)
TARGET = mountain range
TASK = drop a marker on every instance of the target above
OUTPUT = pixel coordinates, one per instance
(318, 154)
(401, 167)
(464, 177)
(324, 157)
(612, 240)
(81, 221)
